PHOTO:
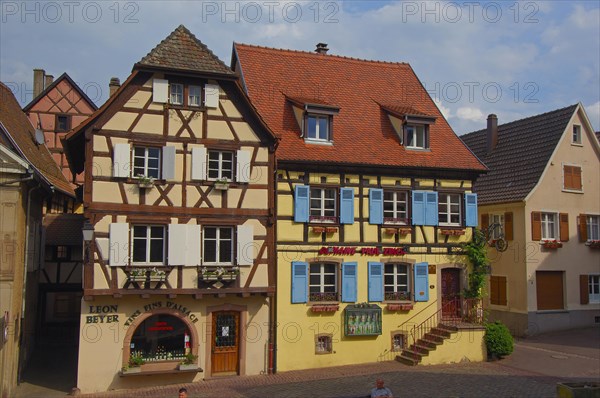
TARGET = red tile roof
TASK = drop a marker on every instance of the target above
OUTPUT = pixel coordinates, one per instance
(22, 136)
(363, 133)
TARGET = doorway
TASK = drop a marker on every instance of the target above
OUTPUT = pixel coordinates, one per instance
(450, 293)
(225, 358)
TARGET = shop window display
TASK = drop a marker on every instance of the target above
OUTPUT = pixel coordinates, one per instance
(161, 338)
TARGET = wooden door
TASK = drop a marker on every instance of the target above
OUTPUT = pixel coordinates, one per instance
(225, 342)
(450, 292)
(549, 289)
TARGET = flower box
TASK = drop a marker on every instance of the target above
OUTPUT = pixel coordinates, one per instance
(331, 230)
(593, 244)
(404, 231)
(191, 366)
(134, 369)
(222, 186)
(391, 231)
(325, 308)
(552, 244)
(452, 232)
(399, 307)
(219, 273)
(318, 230)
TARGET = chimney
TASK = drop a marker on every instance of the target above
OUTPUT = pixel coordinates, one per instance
(492, 132)
(113, 86)
(38, 81)
(322, 48)
(49, 79)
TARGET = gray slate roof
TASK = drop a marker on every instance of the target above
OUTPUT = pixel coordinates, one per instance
(516, 164)
(182, 51)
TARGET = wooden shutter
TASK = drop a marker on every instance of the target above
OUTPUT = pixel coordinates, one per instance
(584, 292)
(421, 277)
(375, 281)
(375, 206)
(501, 290)
(508, 225)
(349, 282)
(118, 235)
(549, 290)
(243, 169)
(168, 162)
(177, 244)
(564, 227)
(471, 209)
(299, 282)
(121, 160)
(583, 228)
(211, 95)
(160, 90)
(493, 290)
(193, 253)
(347, 205)
(431, 208)
(245, 245)
(536, 225)
(485, 221)
(567, 177)
(418, 207)
(576, 178)
(301, 203)
(199, 163)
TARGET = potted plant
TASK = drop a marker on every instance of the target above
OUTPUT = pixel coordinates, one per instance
(552, 244)
(189, 362)
(137, 275)
(157, 275)
(144, 181)
(593, 244)
(134, 365)
(222, 184)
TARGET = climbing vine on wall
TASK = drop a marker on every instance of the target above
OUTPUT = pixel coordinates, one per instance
(477, 254)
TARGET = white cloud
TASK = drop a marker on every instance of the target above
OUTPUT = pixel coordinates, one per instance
(445, 110)
(470, 113)
(593, 112)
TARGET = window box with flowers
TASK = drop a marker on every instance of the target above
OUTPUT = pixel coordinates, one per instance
(222, 184)
(145, 182)
(593, 244)
(451, 232)
(219, 273)
(552, 244)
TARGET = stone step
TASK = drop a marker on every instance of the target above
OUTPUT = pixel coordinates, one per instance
(421, 349)
(441, 332)
(411, 354)
(449, 328)
(434, 338)
(428, 343)
(406, 360)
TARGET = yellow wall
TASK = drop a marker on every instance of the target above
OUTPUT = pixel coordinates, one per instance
(466, 345)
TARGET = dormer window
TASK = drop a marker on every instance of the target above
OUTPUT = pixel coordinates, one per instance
(416, 136)
(317, 127)
(411, 125)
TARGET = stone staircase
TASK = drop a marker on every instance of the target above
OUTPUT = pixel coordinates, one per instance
(436, 336)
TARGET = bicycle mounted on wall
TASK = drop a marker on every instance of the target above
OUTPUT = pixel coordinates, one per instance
(492, 238)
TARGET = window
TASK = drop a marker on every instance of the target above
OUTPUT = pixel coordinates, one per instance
(594, 288)
(449, 209)
(62, 252)
(146, 161)
(323, 205)
(572, 178)
(317, 128)
(63, 122)
(161, 337)
(194, 96)
(220, 165)
(398, 341)
(322, 285)
(498, 290)
(323, 344)
(549, 226)
(176, 94)
(395, 207)
(416, 137)
(576, 134)
(499, 220)
(148, 246)
(395, 282)
(218, 245)
(593, 227)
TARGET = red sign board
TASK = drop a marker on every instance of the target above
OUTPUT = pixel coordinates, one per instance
(363, 251)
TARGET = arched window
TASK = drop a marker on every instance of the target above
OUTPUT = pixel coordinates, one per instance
(161, 337)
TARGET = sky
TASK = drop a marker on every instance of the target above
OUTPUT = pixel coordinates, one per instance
(512, 58)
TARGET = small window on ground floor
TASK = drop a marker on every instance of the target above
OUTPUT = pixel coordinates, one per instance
(161, 337)
(323, 344)
(398, 341)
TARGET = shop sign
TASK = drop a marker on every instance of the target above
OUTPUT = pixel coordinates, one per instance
(162, 304)
(102, 310)
(363, 251)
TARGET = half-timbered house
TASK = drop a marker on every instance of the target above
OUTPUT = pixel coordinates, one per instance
(373, 203)
(178, 187)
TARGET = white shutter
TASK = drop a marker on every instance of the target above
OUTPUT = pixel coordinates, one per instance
(121, 160)
(243, 165)
(168, 162)
(245, 245)
(192, 253)
(102, 245)
(199, 163)
(160, 90)
(177, 244)
(119, 244)
(211, 95)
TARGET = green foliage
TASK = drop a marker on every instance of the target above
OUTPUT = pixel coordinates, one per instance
(135, 360)
(498, 339)
(477, 254)
(189, 359)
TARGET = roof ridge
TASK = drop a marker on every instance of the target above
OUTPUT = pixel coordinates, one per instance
(329, 56)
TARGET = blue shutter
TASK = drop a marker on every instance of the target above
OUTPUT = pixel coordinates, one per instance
(418, 207)
(347, 205)
(471, 209)
(349, 282)
(421, 281)
(299, 282)
(431, 208)
(375, 281)
(375, 206)
(301, 203)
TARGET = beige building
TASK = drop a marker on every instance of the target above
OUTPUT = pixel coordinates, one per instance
(543, 189)
(178, 280)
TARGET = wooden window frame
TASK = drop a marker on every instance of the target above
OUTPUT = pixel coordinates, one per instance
(148, 239)
(68, 120)
(448, 212)
(395, 202)
(329, 123)
(576, 135)
(593, 280)
(416, 127)
(189, 95)
(322, 285)
(404, 337)
(568, 178)
(218, 241)
(220, 161)
(172, 85)
(323, 218)
(496, 233)
(395, 285)
(327, 344)
(67, 253)
(589, 227)
(146, 158)
(556, 228)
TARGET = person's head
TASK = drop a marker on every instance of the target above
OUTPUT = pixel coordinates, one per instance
(183, 393)
(379, 383)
